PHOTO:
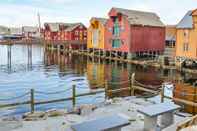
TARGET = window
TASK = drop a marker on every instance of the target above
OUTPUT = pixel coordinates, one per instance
(116, 28)
(185, 46)
(186, 34)
(116, 43)
(76, 32)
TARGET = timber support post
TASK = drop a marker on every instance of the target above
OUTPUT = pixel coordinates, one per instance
(132, 80)
(32, 101)
(74, 95)
(106, 90)
(162, 93)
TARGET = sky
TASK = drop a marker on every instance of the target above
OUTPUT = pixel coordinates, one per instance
(17, 13)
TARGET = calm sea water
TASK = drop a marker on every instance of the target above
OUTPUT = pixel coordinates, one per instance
(48, 72)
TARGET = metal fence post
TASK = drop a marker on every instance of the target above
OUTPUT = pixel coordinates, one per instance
(32, 101)
(74, 95)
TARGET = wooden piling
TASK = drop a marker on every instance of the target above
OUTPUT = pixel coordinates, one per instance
(162, 93)
(74, 95)
(32, 101)
(106, 89)
(132, 89)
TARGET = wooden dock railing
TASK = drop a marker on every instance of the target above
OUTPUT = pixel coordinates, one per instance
(188, 123)
(132, 83)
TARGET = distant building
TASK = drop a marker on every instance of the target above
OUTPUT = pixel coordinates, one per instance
(16, 31)
(186, 41)
(170, 35)
(4, 30)
(169, 52)
(65, 31)
(30, 32)
(134, 33)
(96, 33)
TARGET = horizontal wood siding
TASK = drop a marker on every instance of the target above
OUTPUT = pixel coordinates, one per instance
(147, 39)
(124, 34)
(185, 91)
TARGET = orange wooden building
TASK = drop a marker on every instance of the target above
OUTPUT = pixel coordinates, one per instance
(186, 40)
(187, 92)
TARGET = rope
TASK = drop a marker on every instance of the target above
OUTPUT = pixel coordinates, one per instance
(150, 86)
(17, 97)
(94, 99)
(118, 83)
(52, 93)
(99, 85)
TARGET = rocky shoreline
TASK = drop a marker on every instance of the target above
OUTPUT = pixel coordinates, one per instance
(61, 120)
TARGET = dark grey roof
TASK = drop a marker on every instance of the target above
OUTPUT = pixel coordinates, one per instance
(186, 21)
(102, 20)
(141, 18)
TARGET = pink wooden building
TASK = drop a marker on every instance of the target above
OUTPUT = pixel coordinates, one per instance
(134, 33)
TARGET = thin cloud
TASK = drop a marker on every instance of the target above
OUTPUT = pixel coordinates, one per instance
(17, 13)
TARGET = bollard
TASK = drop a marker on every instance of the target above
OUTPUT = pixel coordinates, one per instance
(74, 95)
(106, 89)
(32, 100)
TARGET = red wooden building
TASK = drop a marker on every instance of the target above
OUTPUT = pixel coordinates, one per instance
(134, 33)
(65, 32)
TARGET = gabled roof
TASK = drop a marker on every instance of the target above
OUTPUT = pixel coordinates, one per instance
(72, 26)
(171, 32)
(186, 22)
(194, 12)
(101, 20)
(68, 26)
(141, 18)
(53, 26)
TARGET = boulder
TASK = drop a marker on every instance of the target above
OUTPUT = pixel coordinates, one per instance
(40, 115)
(55, 112)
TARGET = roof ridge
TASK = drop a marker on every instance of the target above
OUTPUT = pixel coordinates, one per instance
(135, 10)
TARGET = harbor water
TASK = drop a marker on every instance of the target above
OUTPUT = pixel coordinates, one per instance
(52, 74)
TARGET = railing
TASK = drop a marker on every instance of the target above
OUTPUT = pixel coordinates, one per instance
(188, 123)
(32, 102)
(133, 85)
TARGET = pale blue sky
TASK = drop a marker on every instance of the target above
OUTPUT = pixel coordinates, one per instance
(24, 12)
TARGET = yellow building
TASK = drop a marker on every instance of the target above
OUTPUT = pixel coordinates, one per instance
(186, 41)
(96, 33)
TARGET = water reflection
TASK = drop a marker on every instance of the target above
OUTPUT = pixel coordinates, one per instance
(32, 67)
